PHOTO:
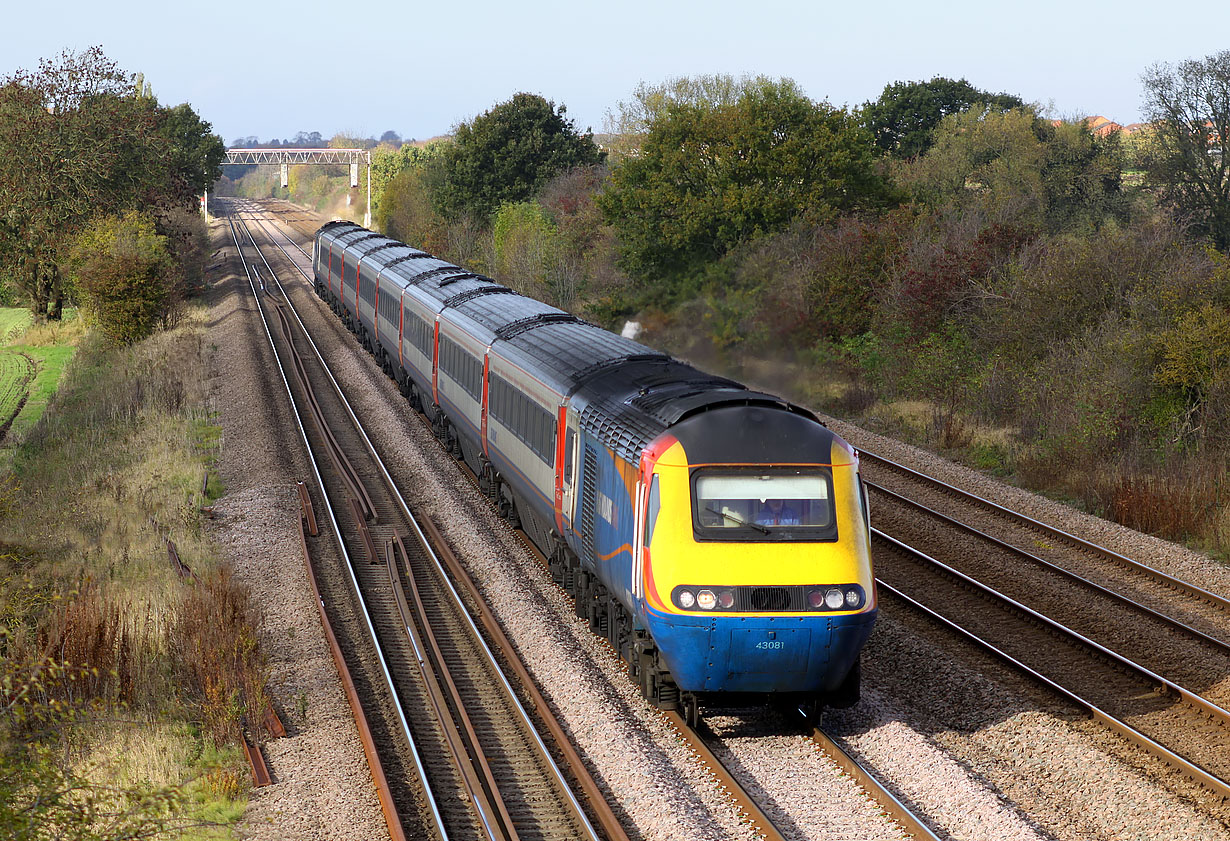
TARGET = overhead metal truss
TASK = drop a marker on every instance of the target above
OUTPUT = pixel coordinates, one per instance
(297, 156)
(291, 157)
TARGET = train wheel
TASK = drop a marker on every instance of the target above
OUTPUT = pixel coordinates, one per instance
(690, 709)
(581, 595)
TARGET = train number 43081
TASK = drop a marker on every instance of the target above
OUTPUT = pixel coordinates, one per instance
(766, 645)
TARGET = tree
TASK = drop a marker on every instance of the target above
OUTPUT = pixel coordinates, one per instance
(709, 177)
(74, 141)
(389, 162)
(1019, 169)
(306, 138)
(529, 255)
(903, 119)
(195, 152)
(1189, 106)
(507, 154)
(627, 126)
(405, 212)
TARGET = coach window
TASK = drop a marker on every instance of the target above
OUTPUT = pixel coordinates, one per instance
(569, 446)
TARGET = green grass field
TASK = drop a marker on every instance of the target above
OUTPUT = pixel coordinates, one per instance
(32, 362)
(50, 360)
(13, 322)
(16, 371)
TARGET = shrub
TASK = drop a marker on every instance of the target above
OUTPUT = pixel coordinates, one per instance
(221, 659)
(405, 212)
(527, 252)
(125, 273)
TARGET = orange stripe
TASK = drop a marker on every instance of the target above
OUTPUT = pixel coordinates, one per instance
(624, 548)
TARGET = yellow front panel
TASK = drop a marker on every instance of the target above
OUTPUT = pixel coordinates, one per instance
(678, 558)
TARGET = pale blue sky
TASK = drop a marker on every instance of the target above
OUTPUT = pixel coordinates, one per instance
(273, 68)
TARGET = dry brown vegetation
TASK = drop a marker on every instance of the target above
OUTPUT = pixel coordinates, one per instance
(146, 676)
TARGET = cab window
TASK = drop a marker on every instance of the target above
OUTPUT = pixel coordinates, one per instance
(764, 504)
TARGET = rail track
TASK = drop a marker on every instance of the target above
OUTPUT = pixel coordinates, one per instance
(1146, 632)
(466, 760)
(1021, 530)
(1125, 658)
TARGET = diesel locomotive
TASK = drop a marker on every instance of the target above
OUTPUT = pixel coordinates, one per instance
(716, 535)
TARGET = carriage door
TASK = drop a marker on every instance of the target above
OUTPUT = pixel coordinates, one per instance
(568, 500)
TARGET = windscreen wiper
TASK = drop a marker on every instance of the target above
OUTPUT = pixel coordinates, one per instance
(757, 526)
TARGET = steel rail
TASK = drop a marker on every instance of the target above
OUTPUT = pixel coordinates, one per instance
(1151, 572)
(459, 734)
(401, 714)
(412, 520)
(906, 817)
(606, 816)
(1190, 769)
(282, 234)
(279, 246)
(337, 455)
(383, 792)
(734, 790)
(353, 484)
(1052, 567)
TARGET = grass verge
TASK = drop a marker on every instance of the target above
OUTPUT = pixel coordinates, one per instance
(130, 684)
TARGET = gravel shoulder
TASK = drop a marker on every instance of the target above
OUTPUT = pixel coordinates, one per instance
(1065, 775)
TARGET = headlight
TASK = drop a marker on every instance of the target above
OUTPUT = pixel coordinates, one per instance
(706, 599)
(853, 598)
(834, 599)
(686, 599)
(726, 599)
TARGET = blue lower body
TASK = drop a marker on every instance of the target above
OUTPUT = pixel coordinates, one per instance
(759, 653)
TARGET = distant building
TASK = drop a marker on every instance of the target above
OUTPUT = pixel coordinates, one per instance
(1102, 126)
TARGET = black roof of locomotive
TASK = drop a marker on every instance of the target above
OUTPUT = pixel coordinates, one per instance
(627, 393)
(757, 434)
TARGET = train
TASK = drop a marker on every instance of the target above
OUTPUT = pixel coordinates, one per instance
(717, 536)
